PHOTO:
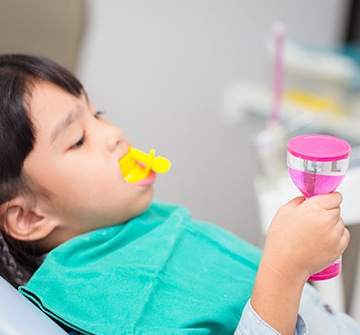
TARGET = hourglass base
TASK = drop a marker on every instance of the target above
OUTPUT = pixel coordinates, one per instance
(328, 273)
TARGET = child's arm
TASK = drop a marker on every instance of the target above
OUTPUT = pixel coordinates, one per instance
(304, 238)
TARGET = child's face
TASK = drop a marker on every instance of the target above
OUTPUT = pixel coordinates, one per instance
(76, 158)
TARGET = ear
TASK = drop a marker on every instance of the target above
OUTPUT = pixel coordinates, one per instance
(25, 222)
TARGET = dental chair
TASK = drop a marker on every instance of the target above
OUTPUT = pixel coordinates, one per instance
(18, 316)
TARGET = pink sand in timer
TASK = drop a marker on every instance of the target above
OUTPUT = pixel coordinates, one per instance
(317, 165)
(314, 184)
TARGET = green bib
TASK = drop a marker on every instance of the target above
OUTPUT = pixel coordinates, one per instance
(161, 273)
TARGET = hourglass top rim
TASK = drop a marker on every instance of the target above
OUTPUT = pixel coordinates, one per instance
(319, 148)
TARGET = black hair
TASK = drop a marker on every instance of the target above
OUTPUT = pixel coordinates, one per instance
(18, 75)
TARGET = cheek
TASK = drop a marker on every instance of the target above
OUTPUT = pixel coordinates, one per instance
(91, 187)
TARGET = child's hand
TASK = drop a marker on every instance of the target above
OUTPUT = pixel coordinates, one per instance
(306, 236)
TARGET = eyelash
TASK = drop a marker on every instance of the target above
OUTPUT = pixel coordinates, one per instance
(98, 114)
(82, 140)
(79, 143)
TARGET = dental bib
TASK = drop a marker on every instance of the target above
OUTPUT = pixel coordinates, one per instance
(161, 273)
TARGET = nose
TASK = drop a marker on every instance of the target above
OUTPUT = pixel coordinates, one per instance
(114, 136)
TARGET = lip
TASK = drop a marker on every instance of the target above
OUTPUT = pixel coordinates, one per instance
(148, 181)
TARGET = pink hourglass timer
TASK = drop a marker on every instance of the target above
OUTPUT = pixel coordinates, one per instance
(317, 165)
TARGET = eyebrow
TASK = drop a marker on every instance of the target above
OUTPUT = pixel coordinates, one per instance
(63, 125)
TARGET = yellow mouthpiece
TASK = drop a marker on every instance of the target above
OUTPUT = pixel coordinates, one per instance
(136, 165)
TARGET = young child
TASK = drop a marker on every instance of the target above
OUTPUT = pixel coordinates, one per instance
(95, 252)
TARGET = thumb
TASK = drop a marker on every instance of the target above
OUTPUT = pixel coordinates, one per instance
(292, 204)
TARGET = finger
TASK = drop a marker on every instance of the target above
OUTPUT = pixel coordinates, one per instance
(334, 216)
(328, 201)
(293, 203)
(290, 205)
(343, 231)
(344, 240)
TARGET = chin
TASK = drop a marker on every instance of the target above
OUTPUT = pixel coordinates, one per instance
(147, 202)
(145, 205)
(140, 207)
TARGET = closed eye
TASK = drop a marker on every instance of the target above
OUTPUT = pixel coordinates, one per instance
(83, 138)
(80, 142)
(98, 114)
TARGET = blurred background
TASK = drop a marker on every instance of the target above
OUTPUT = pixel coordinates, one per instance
(193, 79)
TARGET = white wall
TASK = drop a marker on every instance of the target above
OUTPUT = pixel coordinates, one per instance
(158, 67)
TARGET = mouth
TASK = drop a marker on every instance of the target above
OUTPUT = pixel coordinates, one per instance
(147, 181)
(132, 170)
